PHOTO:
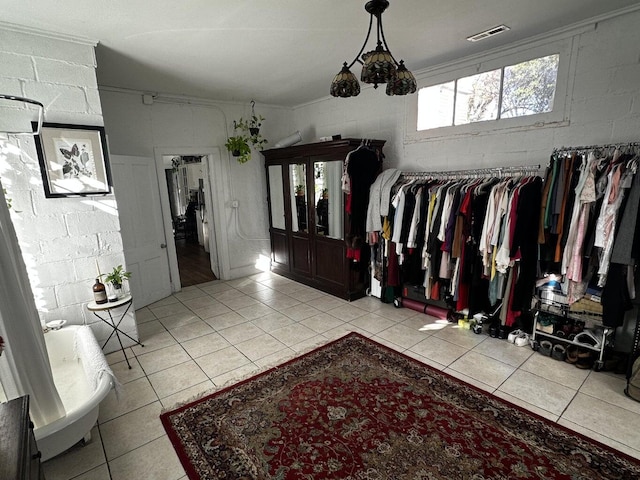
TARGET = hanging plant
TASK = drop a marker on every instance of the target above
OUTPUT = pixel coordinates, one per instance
(255, 122)
(249, 136)
(252, 132)
(239, 147)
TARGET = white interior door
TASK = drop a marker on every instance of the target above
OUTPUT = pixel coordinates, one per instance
(135, 184)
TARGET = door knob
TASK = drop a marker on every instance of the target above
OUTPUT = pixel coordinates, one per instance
(163, 245)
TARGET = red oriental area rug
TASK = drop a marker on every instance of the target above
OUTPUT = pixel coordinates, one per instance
(355, 409)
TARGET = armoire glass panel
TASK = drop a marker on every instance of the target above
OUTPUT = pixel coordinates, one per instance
(329, 208)
(298, 191)
(276, 191)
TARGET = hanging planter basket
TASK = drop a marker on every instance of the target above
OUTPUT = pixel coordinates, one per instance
(239, 148)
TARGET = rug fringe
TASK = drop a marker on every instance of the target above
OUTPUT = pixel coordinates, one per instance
(246, 376)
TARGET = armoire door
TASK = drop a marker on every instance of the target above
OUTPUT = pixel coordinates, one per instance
(329, 214)
(300, 218)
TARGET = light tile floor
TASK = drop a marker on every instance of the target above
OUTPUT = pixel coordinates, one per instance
(209, 335)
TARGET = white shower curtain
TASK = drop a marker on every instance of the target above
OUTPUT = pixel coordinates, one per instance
(24, 366)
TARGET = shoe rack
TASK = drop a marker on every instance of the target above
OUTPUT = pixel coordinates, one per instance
(577, 337)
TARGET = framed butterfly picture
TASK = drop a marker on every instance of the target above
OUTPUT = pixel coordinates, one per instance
(73, 160)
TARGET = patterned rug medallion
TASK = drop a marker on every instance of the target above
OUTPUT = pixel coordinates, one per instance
(355, 409)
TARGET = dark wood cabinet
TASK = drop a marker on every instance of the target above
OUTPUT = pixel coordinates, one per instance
(308, 222)
(19, 455)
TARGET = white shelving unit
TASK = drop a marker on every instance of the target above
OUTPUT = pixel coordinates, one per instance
(593, 321)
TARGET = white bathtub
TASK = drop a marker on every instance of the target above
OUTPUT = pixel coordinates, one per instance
(75, 387)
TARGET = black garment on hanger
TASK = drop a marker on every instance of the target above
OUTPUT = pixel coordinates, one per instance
(615, 296)
(525, 239)
(412, 267)
(364, 166)
(472, 273)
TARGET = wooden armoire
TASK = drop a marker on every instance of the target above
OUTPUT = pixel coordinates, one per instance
(307, 218)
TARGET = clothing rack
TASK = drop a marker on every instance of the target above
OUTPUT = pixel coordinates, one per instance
(477, 172)
(40, 106)
(584, 148)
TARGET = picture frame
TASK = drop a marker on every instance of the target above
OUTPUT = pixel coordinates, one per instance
(74, 160)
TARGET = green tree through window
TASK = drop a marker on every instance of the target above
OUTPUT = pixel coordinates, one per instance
(518, 90)
(529, 87)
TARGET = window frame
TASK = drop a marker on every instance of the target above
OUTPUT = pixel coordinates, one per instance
(565, 47)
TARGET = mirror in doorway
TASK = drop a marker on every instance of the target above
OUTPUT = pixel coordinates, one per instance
(298, 179)
(329, 207)
(186, 196)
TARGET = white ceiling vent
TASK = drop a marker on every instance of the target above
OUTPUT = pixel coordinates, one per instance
(488, 33)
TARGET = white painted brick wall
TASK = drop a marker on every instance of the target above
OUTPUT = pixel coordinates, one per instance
(49, 273)
(32, 226)
(40, 46)
(73, 293)
(46, 301)
(110, 242)
(68, 248)
(61, 238)
(94, 221)
(57, 97)
(16, 66)
(65, 73)
(11, 86)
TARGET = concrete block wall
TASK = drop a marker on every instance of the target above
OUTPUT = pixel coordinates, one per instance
(604, 108)
(60, 238)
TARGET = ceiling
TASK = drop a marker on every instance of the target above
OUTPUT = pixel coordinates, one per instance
(281, 52)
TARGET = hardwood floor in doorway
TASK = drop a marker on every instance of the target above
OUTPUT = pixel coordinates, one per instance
(194, 263)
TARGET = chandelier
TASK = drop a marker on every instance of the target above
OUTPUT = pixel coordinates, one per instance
(378, 66)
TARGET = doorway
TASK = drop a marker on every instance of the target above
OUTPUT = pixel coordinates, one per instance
(187, 187)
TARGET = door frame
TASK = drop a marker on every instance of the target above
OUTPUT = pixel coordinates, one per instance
(215, 180)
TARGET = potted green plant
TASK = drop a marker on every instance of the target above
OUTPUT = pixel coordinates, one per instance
(116, 278)
(239, 147)
(251, 128)
(255, 122)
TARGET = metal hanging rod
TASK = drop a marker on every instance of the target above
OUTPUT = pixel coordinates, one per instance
(477, 172)
(597, 147)
(32, 102)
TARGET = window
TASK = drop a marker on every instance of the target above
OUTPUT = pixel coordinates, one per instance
(518, 90)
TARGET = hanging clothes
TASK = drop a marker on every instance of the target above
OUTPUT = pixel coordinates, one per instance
(439, 228)
(362, 167)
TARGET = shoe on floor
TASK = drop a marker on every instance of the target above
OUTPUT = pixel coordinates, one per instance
(545, 348)
(522, 339)
(503, 332)
(588, 337)
(572, 354)
(585, 359)
(511, 338)
(558, 352)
